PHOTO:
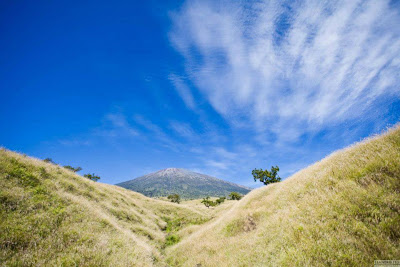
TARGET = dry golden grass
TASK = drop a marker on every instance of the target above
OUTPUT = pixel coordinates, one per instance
(52, 216)
(341, 211)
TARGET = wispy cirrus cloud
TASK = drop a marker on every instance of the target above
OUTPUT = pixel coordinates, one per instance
(155, 131)
(183, 90)
(184, 130)
(268, 83)
(296, 65)
(116, 125)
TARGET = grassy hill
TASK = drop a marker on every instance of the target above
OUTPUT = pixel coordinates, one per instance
(187, 184)
(341, 211)
(51, 216)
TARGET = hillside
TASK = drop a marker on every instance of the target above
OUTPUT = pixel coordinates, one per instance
(186, 183)
(341, 211)
(52, 216)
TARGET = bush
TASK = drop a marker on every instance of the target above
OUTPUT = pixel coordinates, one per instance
(220, 200)
(235, 196)
(49, 160)
(209, 203)
(171, 240)
(175, 198)
(77, 169)
(92, 177)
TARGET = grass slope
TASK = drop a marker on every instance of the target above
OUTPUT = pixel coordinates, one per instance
(52, 216)
(341, 211)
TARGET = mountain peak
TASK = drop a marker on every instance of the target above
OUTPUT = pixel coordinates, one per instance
(171, 170)
(180, 181)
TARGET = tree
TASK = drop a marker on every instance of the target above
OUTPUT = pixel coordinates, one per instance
(92, 177)
(175, 198)
(235, 196)
(265, 176)
(208, 203)
(77, 169)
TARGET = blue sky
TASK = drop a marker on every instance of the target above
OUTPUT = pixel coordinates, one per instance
(219, 87)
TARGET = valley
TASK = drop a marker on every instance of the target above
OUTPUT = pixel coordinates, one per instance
(342, 210)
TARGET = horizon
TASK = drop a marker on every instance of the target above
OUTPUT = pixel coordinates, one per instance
(215, 87)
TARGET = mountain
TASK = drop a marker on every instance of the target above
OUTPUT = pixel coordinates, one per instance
(186, 183)
(341, 211)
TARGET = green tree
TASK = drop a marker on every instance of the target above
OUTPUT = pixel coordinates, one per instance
(77, 169)
(235, 196)
(265, 176)
(208, 203)
(175, 198)
(92, 177)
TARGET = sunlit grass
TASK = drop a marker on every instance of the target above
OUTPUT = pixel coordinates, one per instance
(52, 216)
(341, 211)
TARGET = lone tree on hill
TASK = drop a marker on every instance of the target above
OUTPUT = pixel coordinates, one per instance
(235, 196)
(266, 176)
(175, 198)
(77, 169)
(92, 177)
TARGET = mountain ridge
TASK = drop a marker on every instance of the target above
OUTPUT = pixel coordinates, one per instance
(186, 183)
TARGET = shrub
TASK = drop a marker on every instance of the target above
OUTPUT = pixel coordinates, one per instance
(49, 160)
(171, 240)
(77, 169)
(220, 200)
(92, 177)
(235, 196)
(175, 198)
(208, 203)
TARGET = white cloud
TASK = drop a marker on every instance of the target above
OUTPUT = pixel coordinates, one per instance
(156, 131)
(184, 130)
(296, 65)
(222, 152)
(183, 91)
(116, 125)
(74, 142)
(217, 164)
